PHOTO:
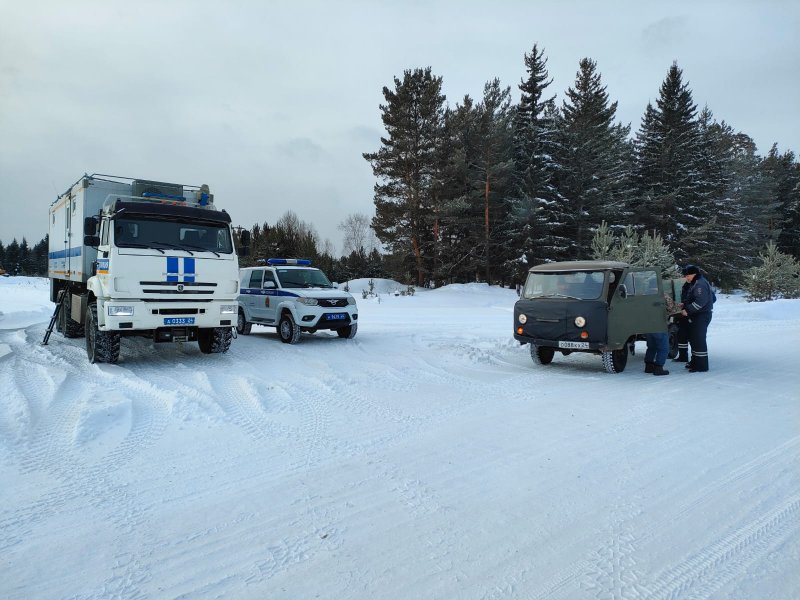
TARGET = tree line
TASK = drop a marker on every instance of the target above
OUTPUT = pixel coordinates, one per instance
(487, 188)
(18, 258)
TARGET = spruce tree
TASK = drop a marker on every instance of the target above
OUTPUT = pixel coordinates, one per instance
(668, 155)
(531, 230)
(594, 162)
(407, 166)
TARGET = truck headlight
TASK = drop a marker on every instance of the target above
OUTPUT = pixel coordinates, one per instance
(229, 309)
(580, 321)
(522, 318)
(120, 311)
(351, 300)
(307, 301)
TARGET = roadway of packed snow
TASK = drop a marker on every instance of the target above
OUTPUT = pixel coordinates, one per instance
(426, 458)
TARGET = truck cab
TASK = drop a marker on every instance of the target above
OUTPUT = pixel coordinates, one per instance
(294, 297)
(599, 307)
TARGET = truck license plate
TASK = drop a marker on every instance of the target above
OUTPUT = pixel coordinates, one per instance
(179, 321)
(337, 316)
(575, 345)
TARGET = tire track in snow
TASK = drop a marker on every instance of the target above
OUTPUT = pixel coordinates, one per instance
(706, 572)
(563, 584)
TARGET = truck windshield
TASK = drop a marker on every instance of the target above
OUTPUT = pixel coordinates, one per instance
(303, 278)
(581, 285)
(145, 232)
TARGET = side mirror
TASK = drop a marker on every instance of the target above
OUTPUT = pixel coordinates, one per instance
(90, 226)
(269, 285)
(93, 241)
(623, 291)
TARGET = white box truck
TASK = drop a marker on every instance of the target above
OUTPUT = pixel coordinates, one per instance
(131, 257)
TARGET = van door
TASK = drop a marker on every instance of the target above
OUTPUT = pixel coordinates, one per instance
(637, 307)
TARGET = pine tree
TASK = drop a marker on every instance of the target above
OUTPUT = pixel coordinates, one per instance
(13, 265)
(783, 174)
(778, 276)
(2, 256)
(594, 160)
(531, 230)
(407, 166)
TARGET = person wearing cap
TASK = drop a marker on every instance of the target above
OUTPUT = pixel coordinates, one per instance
(698, 308)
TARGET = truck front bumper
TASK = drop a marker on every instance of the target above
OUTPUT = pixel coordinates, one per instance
(124, 315)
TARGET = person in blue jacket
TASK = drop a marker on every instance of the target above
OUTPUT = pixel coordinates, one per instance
(698, 307)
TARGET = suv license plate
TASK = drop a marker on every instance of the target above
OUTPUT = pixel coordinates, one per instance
(179, 321)
(337, 316)
(576, 345)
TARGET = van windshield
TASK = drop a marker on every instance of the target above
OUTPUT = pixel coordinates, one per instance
(192, 236)
(580, 285)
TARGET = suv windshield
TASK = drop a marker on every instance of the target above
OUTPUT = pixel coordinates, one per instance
(144, 232)
(303, 278)
(581, 285)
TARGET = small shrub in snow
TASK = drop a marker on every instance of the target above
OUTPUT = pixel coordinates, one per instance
(777, 277)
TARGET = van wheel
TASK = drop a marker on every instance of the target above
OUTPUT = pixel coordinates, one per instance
(348, 332)
(288, 330)
(66, 325)
(243, 326)
(101, 346)
(615, 360)
(542, 355)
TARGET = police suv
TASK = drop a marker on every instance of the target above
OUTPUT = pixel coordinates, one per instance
(293, 296)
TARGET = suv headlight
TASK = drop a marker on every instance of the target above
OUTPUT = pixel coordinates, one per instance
(229, 309)
(307, 301)
(580, 321)
(522, 318)
(120, 311)
(351, 300)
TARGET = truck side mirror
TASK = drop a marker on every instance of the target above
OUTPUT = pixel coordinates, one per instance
(623, 291)
(90, 226)
(93, 241)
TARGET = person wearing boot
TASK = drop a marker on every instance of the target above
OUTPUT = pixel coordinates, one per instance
(656, 354)
(698, 308)
(683, 327)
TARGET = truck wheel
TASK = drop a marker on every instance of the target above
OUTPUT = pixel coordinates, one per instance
(542, 355)
(288, 330)
(101, 346)
(215, 340)
(243, 326)
(615, 360)
(348, 332)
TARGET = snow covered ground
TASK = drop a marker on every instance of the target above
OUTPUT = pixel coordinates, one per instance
(426, 458)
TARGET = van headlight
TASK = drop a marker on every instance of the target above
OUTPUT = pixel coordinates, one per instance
(580, 321)
(229, 309)
(522, 318)
(120, 311)
(307, 301)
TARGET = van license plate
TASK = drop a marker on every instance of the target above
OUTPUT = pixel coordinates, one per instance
(575, 345)
(179, 321)
(337, 316)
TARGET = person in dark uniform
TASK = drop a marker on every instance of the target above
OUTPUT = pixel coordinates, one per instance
(683, 327)
(698, 308)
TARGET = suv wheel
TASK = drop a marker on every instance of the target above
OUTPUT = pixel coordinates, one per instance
(615, 360)
(243, 327)
(348, 332)
(288, 330)
(542, 355)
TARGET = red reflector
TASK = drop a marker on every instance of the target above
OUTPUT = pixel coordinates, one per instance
(584, 335)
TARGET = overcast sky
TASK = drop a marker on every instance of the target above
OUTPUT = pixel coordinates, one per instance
(273, 103)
